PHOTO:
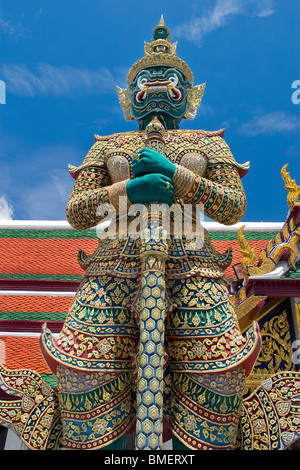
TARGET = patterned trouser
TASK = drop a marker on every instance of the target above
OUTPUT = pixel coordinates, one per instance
(96, 376)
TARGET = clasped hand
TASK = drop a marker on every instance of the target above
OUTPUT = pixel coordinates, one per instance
(152, 181)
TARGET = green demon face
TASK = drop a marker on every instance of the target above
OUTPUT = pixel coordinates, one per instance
(159, 91)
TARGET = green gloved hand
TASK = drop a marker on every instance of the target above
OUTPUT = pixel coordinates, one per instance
(148, 161)
(154, 188)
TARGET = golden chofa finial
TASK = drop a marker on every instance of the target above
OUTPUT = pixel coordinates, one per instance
(247, 252)
(291, 186)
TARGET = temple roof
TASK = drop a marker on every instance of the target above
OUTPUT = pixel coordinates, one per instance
(48, 250)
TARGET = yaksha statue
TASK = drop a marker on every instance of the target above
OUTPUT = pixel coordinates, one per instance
(151, 339)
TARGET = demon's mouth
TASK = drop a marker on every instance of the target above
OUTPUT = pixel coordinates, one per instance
(168, 86)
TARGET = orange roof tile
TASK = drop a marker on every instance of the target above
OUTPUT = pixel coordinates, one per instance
(22, 352)
(21, 256)
(43, 256)
(35, 303)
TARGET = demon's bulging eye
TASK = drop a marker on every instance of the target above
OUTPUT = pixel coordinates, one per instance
(142, 81)
(173, 79)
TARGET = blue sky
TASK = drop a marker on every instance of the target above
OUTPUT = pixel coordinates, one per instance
(61, 60)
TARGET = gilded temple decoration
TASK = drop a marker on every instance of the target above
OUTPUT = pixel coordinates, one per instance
(248, 253)
(283, 247)
(292, 188)
(277, 345)
(279, 329)
(270, 417)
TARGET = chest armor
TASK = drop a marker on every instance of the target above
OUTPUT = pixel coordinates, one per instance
(180, 147)
(190, 149)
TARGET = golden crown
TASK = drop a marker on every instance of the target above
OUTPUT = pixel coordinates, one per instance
(160, 52)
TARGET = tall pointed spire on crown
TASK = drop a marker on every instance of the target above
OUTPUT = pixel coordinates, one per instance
(161, 25)
(160, 52)
(161, 22)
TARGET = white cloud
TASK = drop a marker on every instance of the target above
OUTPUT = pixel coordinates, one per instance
(64, 80)
(270, 123)
(6, 210)
(266, 12)
(39, 12)
(206, 110)
(40, 184)
(197, 28)
(11, 29)
(47, 199)
(46, 195)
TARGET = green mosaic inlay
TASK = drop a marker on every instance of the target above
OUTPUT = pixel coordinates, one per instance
(50, 379)
(51, 234)
(92, 234)
(248, 235)
(34, 316)
(293, 274)
(45, 277)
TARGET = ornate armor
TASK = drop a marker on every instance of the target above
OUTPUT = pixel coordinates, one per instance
(207, 357)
